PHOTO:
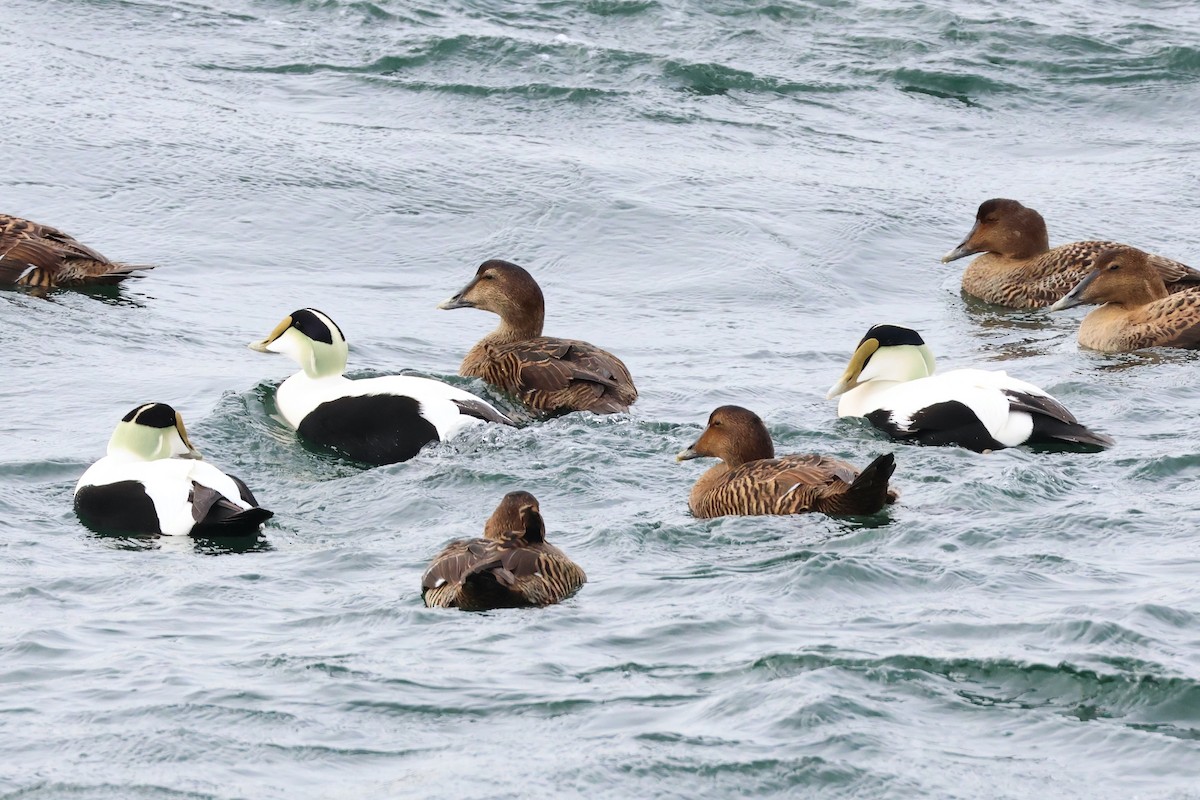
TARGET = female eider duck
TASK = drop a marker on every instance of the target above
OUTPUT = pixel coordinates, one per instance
(1018, 268)
(547, 375)
(752, 481)
(45, 258)
(374, 420)
(890, 381)
(512, 566)
(153, 481)
(1136, 310)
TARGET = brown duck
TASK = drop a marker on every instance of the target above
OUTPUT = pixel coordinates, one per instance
(546, 374)
(44, 257)
(1136, 310)
(1018, 268)
(512, 566)
(753, 481)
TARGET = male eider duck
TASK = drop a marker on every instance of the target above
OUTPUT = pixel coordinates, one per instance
(547, 375)
(1018, 268)
(890, 381)
(752, 481)
(45, 258)
(374, 420)
(153, 481)
(512, 566)
(1136, 310)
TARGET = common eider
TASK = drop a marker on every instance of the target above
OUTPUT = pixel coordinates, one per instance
(374, 420)
(546, 374)
(1019, 269)
(45, 258)
(752, 481)
(154, 482)
(512, 566)
(1136, 310)
(890, 381)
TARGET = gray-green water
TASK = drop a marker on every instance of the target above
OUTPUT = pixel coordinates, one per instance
(726, 194)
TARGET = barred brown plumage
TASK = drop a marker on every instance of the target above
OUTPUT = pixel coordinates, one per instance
(753, 481)
(1136, 311)
(546, 374)
(1019, 269)
(512, 566)
(40, 256)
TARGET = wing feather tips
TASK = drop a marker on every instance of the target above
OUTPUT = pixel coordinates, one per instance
(869, 492)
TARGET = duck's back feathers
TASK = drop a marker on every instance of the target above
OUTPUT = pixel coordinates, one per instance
(552, 375)
(117, 507)
(977, 409)
(45, 257)
(1040, 281)
(217, 516)
(480, 574)
(794, 485)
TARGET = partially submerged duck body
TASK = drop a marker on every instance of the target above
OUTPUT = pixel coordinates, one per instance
(546, 374)
(891, 382)
(152, 481)
(43, 257)
(751, 481)
(1018, 267)
(512, 566)
(1136, 310)
(374, 420)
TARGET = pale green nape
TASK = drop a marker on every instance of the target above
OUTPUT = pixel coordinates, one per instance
(142, 441)
(927, 355)
(318, 359)
(900, 362)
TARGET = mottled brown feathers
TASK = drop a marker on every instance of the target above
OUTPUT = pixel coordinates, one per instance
(546, 374)
(751, 481)
(512, 566)
(1136, 310)
(1018, 267)
(44, 257)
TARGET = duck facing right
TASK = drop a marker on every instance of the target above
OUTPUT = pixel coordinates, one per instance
(1136, 309)
(891, 382)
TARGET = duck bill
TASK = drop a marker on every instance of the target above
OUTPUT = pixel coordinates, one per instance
(459, 300)
(849, 378)
(688, 453)
(1075, 296)
(264, 345)
(964, 249)
(192, 452)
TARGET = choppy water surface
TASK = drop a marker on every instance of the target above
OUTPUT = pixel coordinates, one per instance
(725, 193)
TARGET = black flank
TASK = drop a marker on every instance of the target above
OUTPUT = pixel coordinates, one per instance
(375, 429)
(117, 508)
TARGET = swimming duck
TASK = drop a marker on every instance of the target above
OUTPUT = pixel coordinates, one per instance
(512, 566)
(890, 381)
(1018, 268)
(752, 481)
(1136, 310)
(546, 374)
(374, 420)
(44, 257)
(154, 481)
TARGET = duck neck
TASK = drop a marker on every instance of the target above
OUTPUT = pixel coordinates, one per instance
(525, 323)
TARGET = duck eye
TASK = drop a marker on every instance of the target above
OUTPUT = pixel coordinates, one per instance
(1115, 266)
(487, 276)
(716, 423)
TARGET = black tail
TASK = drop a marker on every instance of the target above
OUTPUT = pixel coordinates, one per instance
(216, 516)
(1051, 431)
(869, 492)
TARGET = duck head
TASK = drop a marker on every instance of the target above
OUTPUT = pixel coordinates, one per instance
(517, 513)
(1004, 227)
(1121, 275)
(506, 290)
(311, 339)
(150, 432)
(735, 435)
(887, 353)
